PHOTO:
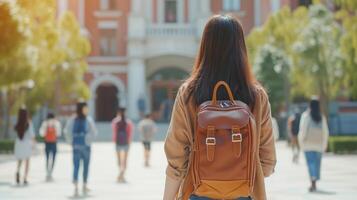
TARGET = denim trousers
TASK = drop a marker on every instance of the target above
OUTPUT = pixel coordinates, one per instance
(51, 150)
(313, 161)
(194, 197)
(81, 154)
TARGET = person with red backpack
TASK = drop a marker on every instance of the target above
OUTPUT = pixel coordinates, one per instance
(122, 129)
(50, 129)
(219, 143)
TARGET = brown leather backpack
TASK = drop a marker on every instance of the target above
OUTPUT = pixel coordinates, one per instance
(222, 164)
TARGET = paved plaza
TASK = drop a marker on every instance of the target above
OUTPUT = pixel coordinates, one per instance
(290, 182)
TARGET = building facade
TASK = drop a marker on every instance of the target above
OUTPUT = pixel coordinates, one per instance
(143, 49)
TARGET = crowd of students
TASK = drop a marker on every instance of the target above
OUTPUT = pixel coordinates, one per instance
(80, 131)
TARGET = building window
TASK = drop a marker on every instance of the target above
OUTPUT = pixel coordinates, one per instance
(107, 4)
(108, 42)
(170, 11)
(231, 5)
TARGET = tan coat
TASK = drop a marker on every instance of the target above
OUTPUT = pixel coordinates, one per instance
(180, 139)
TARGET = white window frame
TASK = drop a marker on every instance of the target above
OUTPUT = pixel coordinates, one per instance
(109, 26)
(231, 5)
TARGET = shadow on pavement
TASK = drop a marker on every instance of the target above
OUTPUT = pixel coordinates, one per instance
(325, 192)
(4, 184)
(80, 197)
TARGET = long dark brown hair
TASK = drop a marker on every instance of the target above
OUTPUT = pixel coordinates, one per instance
(22, 123)
(79, 110)
(315, 111)
(222, 56)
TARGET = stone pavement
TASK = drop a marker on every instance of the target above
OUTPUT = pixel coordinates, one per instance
(290, 181)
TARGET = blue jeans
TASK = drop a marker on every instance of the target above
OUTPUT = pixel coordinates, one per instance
(51, 150)
(313, 160)
(81, 153)
(194, 197)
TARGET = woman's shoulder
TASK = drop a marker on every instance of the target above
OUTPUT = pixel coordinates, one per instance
(260, 93)
(183, 90)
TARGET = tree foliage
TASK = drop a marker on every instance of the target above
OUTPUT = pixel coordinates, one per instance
(40, 47)
(14, 55)
(348, 43)
(322, 58)
(272, 64)
(319, 55)
(52, 54)
(272, 55)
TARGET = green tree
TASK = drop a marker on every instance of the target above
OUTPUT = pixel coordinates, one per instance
(61, 79)
(318, 55)
(14, 56)
(272, 64)
(281, 30)
(272, 43)
(42, 49)
(60, 58)
(348, 43)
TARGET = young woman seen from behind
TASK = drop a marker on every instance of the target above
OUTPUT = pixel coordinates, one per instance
(222, 56)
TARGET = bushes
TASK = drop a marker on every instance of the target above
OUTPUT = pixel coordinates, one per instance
(6, 146)
(343, 144)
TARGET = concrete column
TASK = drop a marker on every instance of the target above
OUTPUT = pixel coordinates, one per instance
(149, 10)
(160, 11)
(257, 13)
(62, 6)
(275, 5)
(81, 12)
(205, 7)
(204, 13)
(136, 80)
(136, 7)
(180, 11)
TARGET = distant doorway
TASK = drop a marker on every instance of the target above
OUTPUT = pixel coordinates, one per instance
(164, 86)
(106, 102)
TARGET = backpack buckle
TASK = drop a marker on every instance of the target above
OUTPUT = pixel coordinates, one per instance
(236, 137)
(210, 141)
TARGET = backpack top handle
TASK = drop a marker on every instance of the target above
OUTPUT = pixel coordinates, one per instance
(228, 89)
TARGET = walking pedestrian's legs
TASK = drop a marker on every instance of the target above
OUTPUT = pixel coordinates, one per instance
(19, 163)
(76, 163)
(27, 167)
(86, 161)
(313, 160)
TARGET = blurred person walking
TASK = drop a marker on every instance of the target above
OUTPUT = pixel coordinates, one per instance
(222, 61)
(24, 143)
(147, 129)
(313, 140)
(50, 129)
(80, 131)
(122, 129)
(275, 126)
(293, 130)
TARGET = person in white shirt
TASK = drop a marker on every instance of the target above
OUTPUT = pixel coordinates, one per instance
(50, 130)
(24, 143)
(313, 139)
(275, 128)
(147, 128)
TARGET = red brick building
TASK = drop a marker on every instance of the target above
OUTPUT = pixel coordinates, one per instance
(141, 49)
